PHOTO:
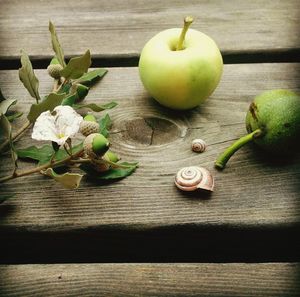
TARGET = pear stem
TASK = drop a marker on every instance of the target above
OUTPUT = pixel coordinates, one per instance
(187, 22)
(226, 155)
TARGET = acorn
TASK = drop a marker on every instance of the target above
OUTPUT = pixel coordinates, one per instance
(100, 167)
(90, 118)
(88, 127)
(95, 145)
(54, 70)
(111, 156)
(103, 166)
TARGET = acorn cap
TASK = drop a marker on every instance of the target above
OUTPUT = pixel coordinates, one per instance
(100, 167)
(88, 127)
(54, 70)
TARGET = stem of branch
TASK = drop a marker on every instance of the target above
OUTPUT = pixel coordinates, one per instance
(39, 168)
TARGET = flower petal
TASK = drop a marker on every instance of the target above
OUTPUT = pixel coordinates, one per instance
(44, 127)
(67, 121)
(57, 127)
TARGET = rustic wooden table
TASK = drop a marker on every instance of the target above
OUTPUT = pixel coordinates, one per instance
(141, 236)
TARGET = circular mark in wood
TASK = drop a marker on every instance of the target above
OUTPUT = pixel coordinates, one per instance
(151, 131)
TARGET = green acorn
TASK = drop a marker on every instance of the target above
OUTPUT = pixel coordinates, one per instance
(95, 145)
(111, 156)
(103, 166)
(89, 118)
(54, 70)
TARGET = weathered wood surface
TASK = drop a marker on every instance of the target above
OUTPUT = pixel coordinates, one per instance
(253, 216)
(252, 191)
(281, 279)
(119, 28)
(144, 217)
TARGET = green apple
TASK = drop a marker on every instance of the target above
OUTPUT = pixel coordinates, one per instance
(180, 68)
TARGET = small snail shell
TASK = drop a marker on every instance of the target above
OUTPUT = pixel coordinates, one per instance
(198, 145)
(193, 178)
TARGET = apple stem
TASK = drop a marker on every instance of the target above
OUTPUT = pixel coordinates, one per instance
(226, 155)
(187, 22)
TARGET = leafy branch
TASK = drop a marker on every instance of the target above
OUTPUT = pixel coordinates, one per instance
(53, 116)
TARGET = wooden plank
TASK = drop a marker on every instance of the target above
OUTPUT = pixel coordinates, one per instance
(136, 201)
(280, 279)
(120, 29)
(256, 198)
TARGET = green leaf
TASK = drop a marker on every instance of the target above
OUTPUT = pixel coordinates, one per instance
(78, 95)
(56, 45)
(70, 100)
(2, 98)
(111, 174)
(28, 78)
(5, 130)
(43, 154)
(13, 116)
(96, 107)
(116, 173)
(92, 76)
(77, 66)
(6, 104)
(66, 88)
(68, 180)
(104, 125)
(51, 101)
(5, 127)
(4, 197)
(62, 154)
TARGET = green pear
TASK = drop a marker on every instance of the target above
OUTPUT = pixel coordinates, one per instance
(273, 123)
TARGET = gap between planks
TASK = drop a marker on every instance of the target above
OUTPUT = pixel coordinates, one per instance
(238, 57)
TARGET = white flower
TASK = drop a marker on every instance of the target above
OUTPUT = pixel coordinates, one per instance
(64, 123)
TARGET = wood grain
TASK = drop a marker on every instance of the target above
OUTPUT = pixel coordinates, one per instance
(249, 280)
(148, 198)
(256, 197)
(121, 28)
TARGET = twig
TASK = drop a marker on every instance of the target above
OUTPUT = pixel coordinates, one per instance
(65, 81)
(80, 161)
(39, 168)
(114, 165)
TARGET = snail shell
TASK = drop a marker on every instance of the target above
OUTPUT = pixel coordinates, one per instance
(198, 145)
(193, 178)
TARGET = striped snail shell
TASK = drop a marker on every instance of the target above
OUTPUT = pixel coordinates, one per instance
(193, 178)
(198, 145)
